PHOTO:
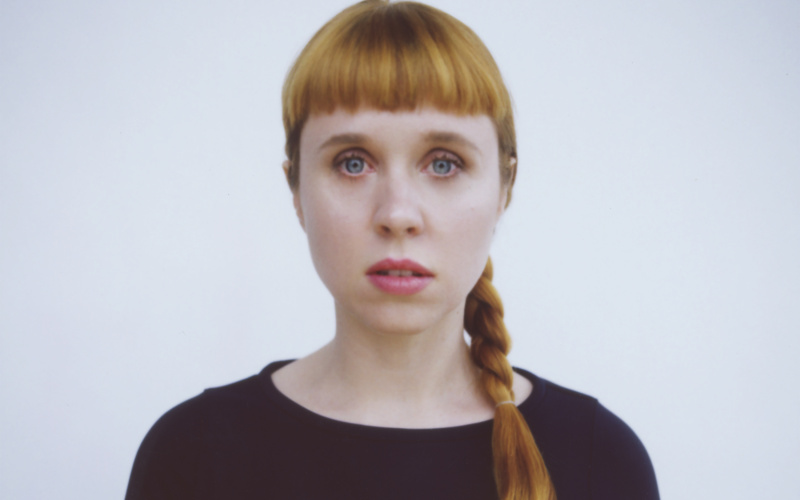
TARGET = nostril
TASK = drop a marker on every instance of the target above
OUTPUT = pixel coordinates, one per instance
(398, 217)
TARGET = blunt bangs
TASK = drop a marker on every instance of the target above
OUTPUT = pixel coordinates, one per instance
(395, 56)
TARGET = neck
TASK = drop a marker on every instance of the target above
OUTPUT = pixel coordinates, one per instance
(410, 379)
(416, 367)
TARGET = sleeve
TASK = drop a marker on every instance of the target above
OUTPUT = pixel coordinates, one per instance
(621, 467)
(169, 460)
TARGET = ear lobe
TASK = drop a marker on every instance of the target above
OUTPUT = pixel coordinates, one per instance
(505, 195)
(298, 209)
(512, 166)
(286, 164)
(501, 207)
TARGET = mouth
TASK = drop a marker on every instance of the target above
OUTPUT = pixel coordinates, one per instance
(399, 277)
(398, 272)
(403, 268)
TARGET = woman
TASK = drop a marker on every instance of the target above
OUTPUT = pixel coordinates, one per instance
(401, 159)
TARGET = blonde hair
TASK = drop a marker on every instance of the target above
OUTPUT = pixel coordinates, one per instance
(401, 56)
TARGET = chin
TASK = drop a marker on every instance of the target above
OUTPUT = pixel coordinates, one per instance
(404, 319)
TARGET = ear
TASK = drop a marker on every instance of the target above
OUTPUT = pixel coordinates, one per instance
(286, 164)
(505, 191)
(298, 208)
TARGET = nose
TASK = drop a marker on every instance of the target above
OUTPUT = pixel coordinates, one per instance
(398, 211)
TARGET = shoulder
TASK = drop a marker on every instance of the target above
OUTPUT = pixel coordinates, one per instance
(182, 444)
(587, 448)
(209, 407)
(621, 466)
(557, 408)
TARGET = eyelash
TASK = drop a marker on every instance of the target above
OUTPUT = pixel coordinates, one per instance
(341, 161)
(455, 161)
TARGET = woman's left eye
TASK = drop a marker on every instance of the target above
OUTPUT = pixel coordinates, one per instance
(443, 167)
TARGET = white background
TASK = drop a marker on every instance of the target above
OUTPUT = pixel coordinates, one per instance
(148, 247)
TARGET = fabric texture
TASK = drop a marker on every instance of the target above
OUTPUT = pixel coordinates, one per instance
(246, 441)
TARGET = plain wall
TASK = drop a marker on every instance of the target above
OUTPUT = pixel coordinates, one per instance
(149, 249)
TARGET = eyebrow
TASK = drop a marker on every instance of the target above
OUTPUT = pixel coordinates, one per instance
(450, 138)
(340, 139)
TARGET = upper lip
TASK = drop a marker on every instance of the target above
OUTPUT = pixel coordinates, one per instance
(399, 264)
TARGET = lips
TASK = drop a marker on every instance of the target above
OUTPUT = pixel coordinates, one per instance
(399, 277)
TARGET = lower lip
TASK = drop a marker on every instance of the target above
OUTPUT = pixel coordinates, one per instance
(400, 285)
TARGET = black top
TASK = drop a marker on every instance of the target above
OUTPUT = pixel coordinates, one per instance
(249, 441)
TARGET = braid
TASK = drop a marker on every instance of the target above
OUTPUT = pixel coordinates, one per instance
(519, 469)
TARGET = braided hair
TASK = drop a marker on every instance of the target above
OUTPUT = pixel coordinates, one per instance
(519, 469)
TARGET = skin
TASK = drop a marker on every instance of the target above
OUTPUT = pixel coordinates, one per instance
(422, 185)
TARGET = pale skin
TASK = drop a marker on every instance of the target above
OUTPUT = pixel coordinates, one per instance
(422, 185)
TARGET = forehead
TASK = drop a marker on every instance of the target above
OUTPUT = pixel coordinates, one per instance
(400, 127)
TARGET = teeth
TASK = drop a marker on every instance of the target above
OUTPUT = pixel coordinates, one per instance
(399, 272)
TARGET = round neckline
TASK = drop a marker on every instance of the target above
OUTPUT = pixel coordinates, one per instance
(307, 416)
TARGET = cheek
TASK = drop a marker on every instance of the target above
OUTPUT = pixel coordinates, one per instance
(478, 213)
(332, 229)
(470, 231)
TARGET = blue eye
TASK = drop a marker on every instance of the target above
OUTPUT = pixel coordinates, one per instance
(442, 166)
(354, 165)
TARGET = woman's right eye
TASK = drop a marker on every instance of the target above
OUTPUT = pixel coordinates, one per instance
(352, 165)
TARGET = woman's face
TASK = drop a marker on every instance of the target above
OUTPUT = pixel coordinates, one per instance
(399, 209)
